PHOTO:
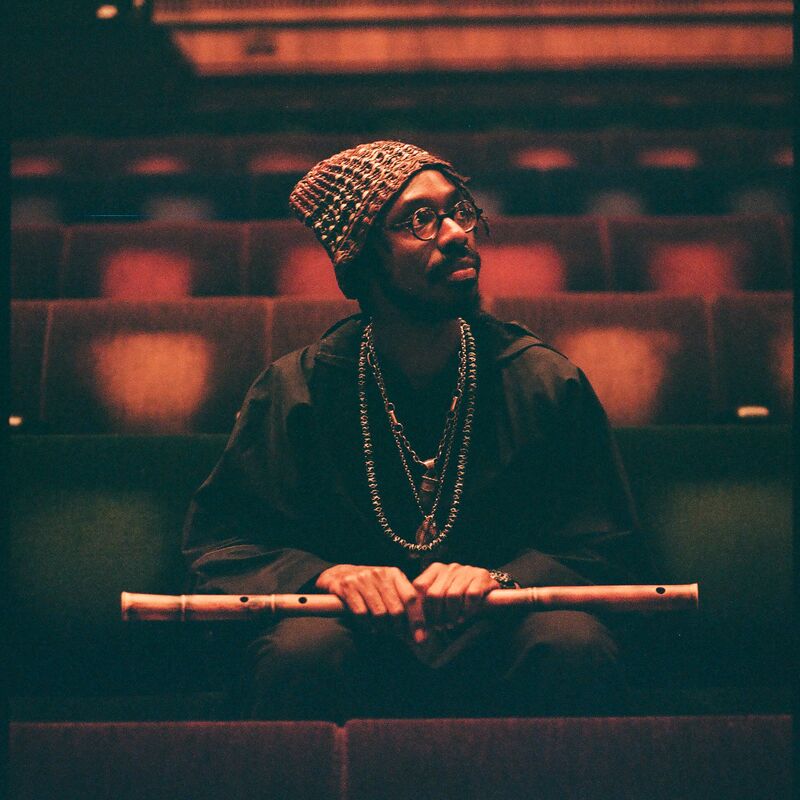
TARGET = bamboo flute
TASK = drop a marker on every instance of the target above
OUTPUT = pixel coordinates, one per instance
(212, 607)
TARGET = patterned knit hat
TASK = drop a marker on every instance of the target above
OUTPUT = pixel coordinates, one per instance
(341, 196)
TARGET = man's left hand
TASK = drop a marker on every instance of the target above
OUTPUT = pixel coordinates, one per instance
(452, 593)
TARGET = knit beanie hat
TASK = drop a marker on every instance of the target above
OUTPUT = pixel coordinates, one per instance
(341, 196)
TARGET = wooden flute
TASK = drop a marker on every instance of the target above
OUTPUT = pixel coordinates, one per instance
(211, 607)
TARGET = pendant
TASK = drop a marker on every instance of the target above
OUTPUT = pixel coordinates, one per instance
(429, 486)
(427, 531)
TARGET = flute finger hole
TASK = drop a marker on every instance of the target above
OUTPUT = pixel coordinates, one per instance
(244, 599)
(660, 590)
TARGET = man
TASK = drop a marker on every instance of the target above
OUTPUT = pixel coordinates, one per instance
(418, 456)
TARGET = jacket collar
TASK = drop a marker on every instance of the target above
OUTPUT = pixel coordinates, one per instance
(339, 345)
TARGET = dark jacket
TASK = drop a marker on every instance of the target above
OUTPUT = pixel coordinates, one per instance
(545, 496)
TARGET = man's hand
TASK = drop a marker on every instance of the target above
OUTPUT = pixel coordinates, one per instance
(383, 594)
(452, 593)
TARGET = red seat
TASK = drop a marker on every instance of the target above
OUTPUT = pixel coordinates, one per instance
(657, 758)
(697, 255)
(151, 261)
(554, 150)
(754, 353)
(36, 254)
(163, 155)
(171, 760)
(28, 326)
(284, 258)
(49, 158)
(297, 322)
(154, 367)
(537, 255)
(646, 356)
(283, 153)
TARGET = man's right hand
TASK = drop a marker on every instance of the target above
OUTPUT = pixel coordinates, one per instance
(383, 594)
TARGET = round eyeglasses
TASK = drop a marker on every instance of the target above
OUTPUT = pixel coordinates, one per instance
(425, 223)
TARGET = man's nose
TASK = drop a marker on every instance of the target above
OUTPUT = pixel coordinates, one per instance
(451, 234)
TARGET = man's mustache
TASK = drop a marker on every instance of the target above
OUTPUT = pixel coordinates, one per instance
(465, 259)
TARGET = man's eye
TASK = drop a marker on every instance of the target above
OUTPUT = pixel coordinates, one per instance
(423, 216)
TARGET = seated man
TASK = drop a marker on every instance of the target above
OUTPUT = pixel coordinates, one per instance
(416, 457)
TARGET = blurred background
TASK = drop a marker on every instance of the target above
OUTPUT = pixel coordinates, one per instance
(634, 159)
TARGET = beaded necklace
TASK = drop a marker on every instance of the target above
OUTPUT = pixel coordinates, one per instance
(427, 498)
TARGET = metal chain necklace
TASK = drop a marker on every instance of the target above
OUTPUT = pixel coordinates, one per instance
(427, 498)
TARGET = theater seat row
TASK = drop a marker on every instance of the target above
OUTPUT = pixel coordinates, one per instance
(99, 366)
(542, 188)
(500, 150)
(521, 256)
(636, 758)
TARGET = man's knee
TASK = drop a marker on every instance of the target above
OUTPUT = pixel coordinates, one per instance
(567, 637)
(304, 644)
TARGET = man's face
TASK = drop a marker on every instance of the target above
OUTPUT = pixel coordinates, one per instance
(427, 280)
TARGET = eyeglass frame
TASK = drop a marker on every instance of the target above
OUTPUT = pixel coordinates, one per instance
(440, 217)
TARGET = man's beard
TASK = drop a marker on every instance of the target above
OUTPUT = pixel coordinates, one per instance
(464, 300)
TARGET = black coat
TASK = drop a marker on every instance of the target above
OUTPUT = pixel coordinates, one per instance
(545, 496)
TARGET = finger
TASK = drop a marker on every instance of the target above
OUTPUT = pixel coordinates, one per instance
(417, 622)
(392, 591)
(454, 605)
(474, 595)
(372, 597)
(352, 599)
(435, 597)
(423, 581)
(412, 604)
(392, 601)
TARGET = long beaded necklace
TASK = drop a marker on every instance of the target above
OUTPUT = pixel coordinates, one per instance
(429, 494)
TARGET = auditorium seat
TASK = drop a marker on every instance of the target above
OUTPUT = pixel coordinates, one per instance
(41, 171)
(28, 326)
(174, 761)
(274, 163)
(697, 255)
(675, 172)
(45, 158)
(162, 155)
(646, 356)
(652, 758)
(153, 261)
(529, 256)
(171, 179)
(786, 223)
(285, 258)
(36, 254)
(297, 322)
(280, 153)
(153, 367)
(754, 351)
(550, 173)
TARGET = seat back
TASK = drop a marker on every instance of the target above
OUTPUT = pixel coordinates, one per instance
(646, 356)
(530, 256)
(697, 255)
(284, 259)
(36, 256)
(155, 367)
(153, 261)
(754, 352)
(28, 327)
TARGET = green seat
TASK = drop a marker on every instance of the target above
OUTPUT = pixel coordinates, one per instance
(92, 516)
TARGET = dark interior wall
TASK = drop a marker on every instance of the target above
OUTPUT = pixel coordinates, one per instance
(71, 73)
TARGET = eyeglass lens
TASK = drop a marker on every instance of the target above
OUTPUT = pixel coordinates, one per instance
(426, 222)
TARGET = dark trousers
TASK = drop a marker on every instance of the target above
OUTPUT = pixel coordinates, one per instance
(525, 664)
